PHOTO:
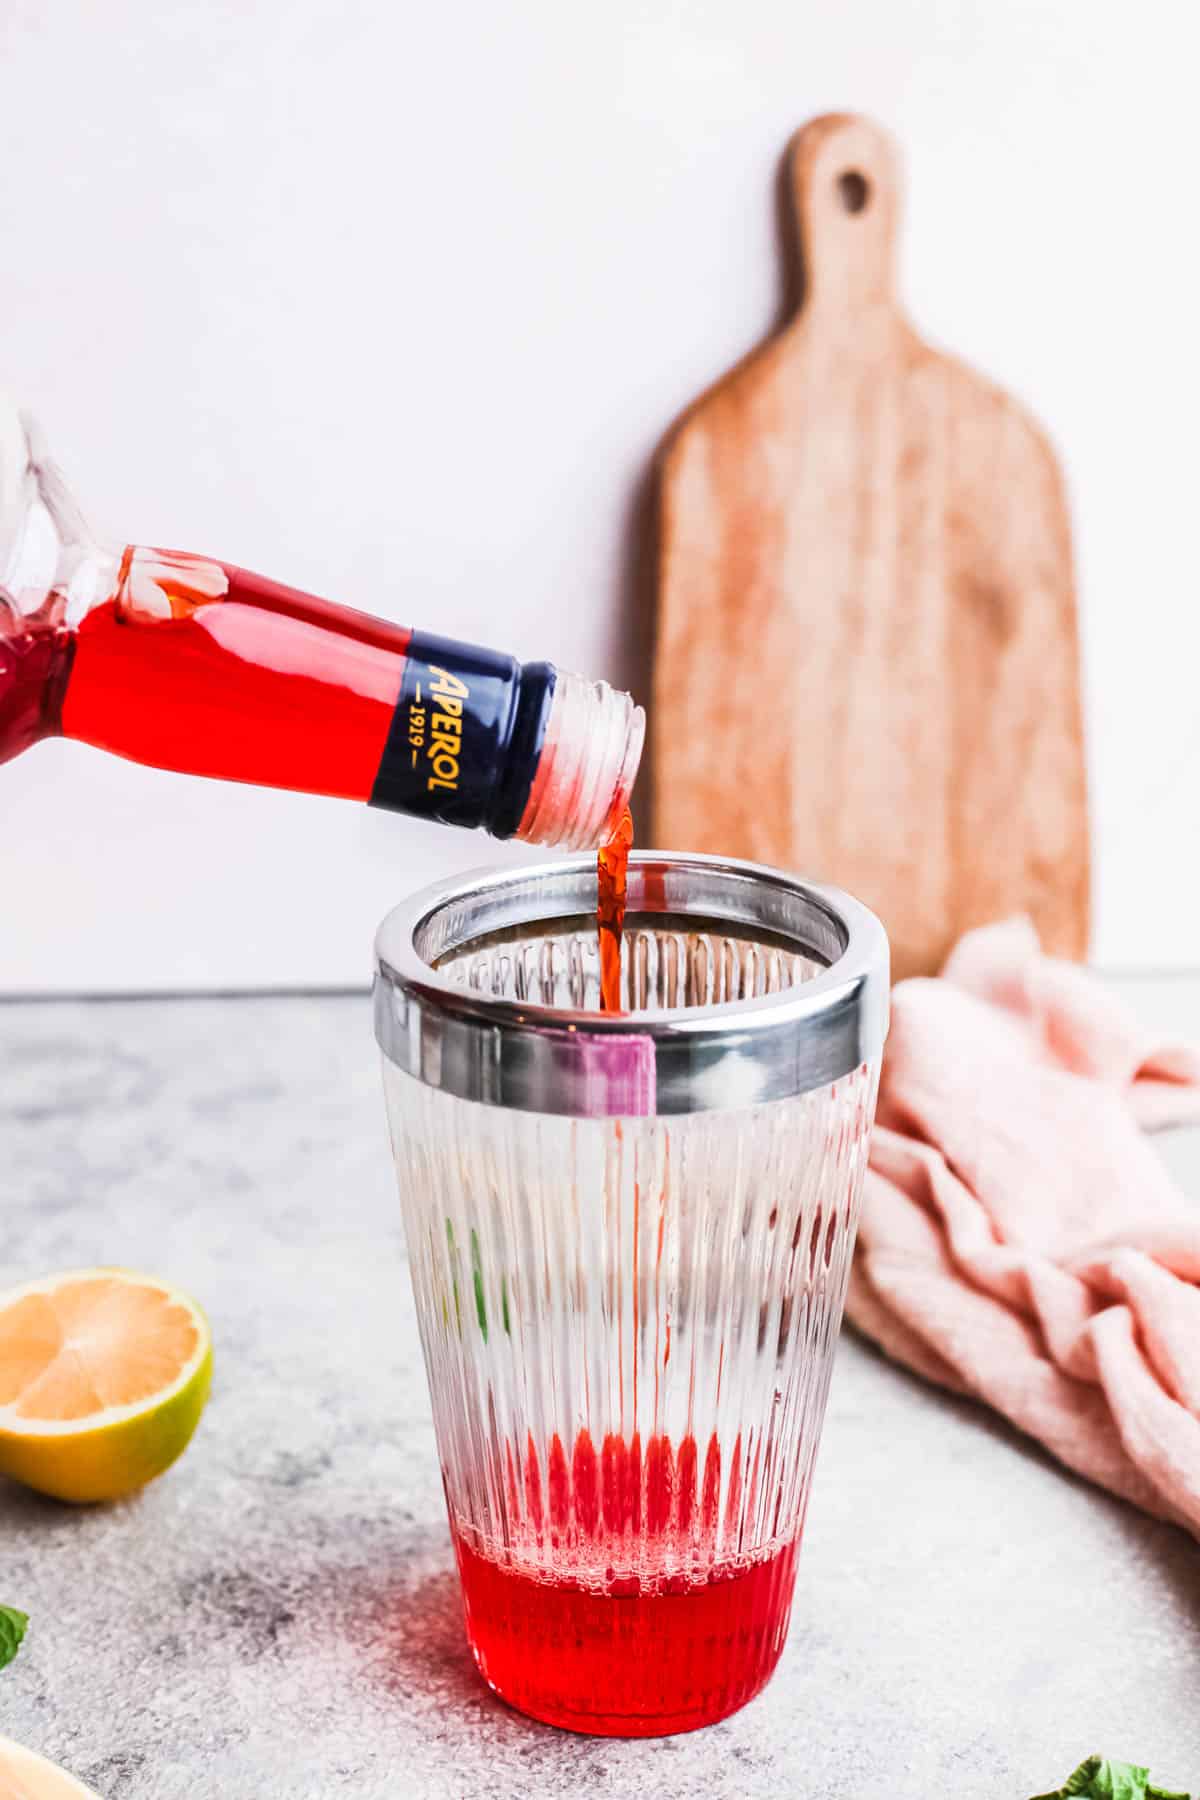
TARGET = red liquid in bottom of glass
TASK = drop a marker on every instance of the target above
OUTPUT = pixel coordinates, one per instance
(627, 1664)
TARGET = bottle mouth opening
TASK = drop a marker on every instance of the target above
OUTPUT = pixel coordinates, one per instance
(587, 767)
(740, 984)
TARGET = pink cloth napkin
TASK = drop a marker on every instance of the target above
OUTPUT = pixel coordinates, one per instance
(1021, 1241)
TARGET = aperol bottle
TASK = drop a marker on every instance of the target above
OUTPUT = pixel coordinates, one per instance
(192, 664)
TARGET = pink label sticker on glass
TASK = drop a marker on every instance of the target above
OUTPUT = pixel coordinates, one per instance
(612, 1073)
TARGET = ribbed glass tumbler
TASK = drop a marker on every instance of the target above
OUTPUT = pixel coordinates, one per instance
(630, 1236)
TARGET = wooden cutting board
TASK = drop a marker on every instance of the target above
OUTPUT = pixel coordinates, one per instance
(867, 666)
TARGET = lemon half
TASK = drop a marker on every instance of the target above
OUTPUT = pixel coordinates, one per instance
(103, 1377)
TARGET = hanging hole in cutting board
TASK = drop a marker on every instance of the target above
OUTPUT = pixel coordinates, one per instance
(854, 189)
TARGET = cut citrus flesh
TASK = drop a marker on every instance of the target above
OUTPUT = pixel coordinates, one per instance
(26, 1776)
(103, 1377)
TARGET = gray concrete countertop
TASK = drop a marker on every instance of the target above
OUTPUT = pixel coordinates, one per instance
(278, 1616)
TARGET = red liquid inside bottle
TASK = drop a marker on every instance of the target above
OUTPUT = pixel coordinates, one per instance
(265, 685)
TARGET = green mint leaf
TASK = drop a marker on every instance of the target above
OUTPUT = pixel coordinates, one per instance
(12, 1630)
(1100, 1779)
(477, 1279)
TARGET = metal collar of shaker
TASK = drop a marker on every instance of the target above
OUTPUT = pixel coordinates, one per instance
(585, 1064)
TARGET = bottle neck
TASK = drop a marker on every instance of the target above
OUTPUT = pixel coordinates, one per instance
(465, 736)
(522, 749)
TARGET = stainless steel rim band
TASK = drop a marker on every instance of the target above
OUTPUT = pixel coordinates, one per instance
(585, 1064)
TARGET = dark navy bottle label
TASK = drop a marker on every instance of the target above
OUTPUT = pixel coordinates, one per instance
(465, 737)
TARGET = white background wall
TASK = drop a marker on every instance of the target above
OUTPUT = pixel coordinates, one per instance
(394, 302)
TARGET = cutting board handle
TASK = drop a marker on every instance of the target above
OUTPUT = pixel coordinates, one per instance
(845, 178)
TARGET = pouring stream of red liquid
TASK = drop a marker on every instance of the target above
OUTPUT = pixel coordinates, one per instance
(611, 868)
